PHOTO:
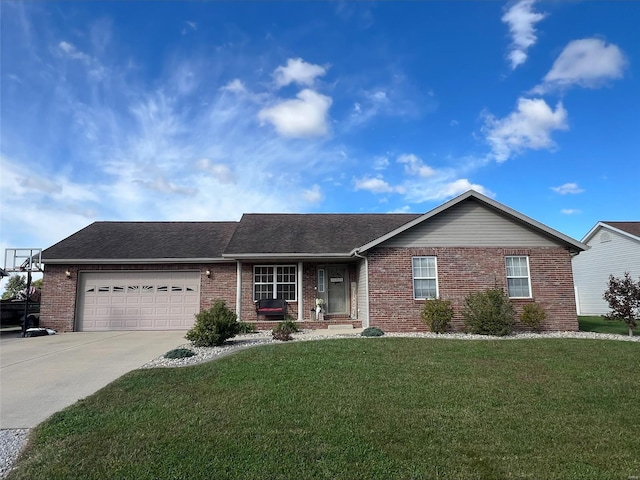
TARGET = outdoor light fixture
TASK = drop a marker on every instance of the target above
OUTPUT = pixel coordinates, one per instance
(68, 274)
(208, 273)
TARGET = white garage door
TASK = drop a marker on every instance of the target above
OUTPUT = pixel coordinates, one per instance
(138, 300)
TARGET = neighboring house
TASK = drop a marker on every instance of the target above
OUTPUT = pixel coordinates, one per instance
(370, 269)
(614, 248)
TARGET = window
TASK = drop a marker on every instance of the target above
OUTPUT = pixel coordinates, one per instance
(425, 277)
(518, 281)
(277, 281)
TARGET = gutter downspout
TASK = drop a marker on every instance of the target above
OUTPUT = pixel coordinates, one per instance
(366, 323)
(239, 290)
(300, 294)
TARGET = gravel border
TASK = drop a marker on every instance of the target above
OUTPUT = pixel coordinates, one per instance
(240, 342)
(13, 440)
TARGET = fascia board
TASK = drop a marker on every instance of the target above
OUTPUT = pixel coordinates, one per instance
(129, 261)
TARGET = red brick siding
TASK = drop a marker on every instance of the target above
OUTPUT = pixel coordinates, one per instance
(58, 305)
(309, 294)
(462, 271)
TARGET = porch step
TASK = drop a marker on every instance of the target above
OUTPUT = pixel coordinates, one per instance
(340, 327)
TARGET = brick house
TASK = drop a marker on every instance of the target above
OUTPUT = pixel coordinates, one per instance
(369, 269)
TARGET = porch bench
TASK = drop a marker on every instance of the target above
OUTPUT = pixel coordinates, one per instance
(271, 307)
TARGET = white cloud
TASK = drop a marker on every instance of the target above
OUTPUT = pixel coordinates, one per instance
(220, 171)
(235, 86)
(313, 194)
(414, 166)
(162, 185)
(568, 188)
(297, 71)
(305, 116)
(570, 211)
(94, 69)
(529, 127)
(437, 190)
(375, 185)
(521, 20)
(588, 63)
(380, 163)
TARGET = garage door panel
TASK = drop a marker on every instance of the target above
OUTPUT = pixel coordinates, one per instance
(138, 300)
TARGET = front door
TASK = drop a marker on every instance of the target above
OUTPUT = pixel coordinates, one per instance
(337, 287)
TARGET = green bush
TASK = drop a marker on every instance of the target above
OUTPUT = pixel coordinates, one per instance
(246, 327)
(532, 316)
(284, 329)
(372, 332)
(179, 353)
(437, 314)
(489, 312)
(213, 327)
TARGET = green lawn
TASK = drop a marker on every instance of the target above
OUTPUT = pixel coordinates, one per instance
(377, 408)
(600, 325)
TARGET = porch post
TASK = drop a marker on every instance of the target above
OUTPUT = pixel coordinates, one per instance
(300, 294)
(239, 290)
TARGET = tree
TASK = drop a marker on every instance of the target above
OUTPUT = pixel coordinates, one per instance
(623, 296)
(15, 284)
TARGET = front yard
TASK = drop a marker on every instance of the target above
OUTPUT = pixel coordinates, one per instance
(377, 408)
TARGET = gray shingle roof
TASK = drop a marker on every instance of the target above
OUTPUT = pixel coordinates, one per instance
(630, 227)
(310, 233)
(144, 240)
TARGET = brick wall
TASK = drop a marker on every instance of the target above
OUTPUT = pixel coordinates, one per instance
(58, 303)
(462, 271)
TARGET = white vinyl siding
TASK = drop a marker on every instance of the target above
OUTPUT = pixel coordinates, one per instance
(470, 224)
(425, 277)
(518, 279)
(274, 281)
(591, 269)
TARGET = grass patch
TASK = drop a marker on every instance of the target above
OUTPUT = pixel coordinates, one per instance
(360, 409)
(598, 324)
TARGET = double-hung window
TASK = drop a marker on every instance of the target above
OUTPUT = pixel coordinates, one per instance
(518, 279)
(425, 277)
(274, 281)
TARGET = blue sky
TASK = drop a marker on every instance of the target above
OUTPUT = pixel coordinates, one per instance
(205, 110)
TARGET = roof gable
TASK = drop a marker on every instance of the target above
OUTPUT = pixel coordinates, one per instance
(509, 213)
(628, 229)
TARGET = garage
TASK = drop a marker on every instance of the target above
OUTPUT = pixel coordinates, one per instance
(137, 300)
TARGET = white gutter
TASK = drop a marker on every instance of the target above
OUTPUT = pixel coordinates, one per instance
(107, 261)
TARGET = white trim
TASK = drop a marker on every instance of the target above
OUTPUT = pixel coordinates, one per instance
(131, 261)
(413, 278)
(591, 233)
(239, 290)
(275, 280)
(513, 276)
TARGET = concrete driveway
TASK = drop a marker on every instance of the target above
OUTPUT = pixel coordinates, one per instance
(42, 375)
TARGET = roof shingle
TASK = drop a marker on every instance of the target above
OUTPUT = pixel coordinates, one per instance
(310, 233)
(143, 240)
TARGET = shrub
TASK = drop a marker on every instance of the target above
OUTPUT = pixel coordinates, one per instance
(623, 297)
(532, 316)
(213, 327)
(437, 314)
(246, 327)
(284, 329)
(179, 353)
(372, 332)
(489, 312)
